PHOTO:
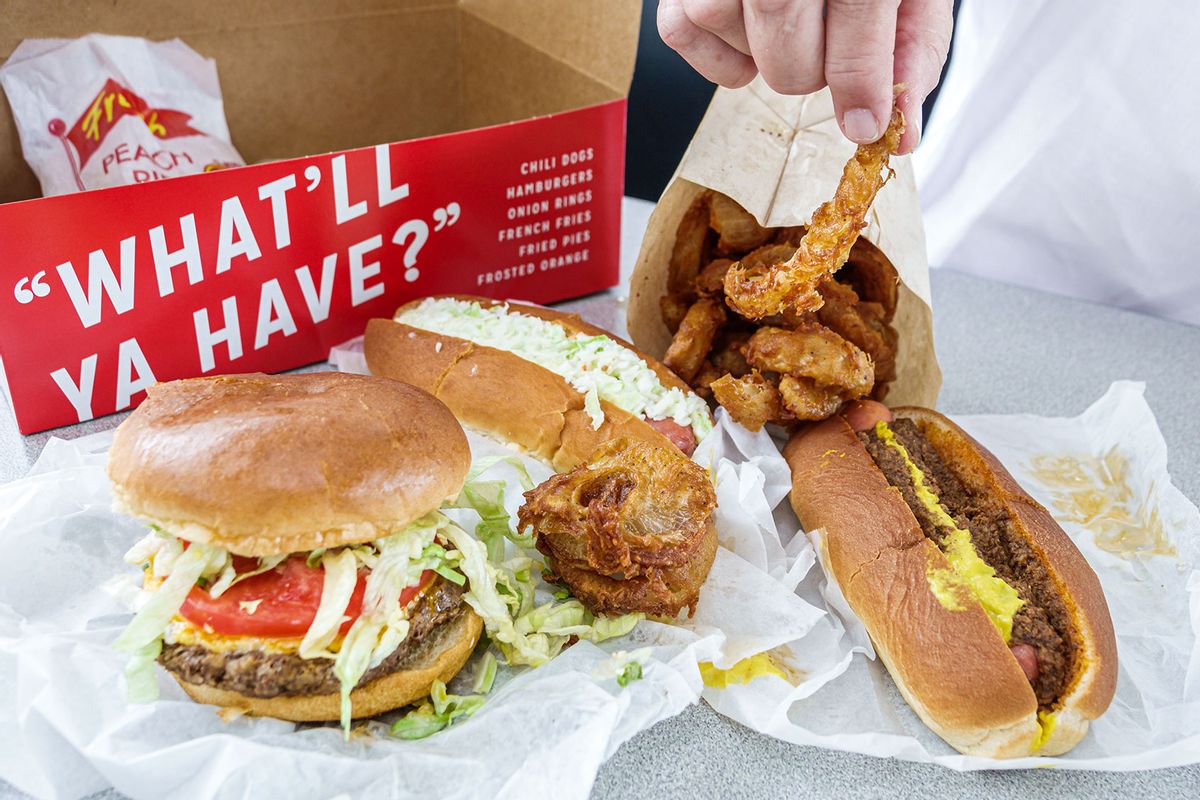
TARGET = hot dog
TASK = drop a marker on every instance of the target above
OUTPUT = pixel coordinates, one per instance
(863, 414)
(989, 619)
(542, 379)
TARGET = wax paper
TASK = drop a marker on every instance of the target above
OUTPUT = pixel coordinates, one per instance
(1104, 477)
(66, 729)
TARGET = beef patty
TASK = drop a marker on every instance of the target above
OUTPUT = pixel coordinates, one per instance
(256, 673)
(1043, 621)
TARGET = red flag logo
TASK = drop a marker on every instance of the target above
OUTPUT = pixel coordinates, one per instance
(114, 102)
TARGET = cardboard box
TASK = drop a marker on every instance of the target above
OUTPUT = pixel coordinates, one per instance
(504, 176)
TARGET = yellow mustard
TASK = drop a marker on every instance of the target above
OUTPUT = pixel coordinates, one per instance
(743, 671)
(968, 571)
(1046, 721)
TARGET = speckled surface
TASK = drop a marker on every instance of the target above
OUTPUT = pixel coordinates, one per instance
(1002, 350)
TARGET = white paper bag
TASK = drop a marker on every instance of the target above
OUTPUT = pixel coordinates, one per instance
(111, 110)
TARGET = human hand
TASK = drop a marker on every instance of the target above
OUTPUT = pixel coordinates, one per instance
(858, 48)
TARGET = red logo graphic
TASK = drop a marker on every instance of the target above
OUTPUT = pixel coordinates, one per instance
(112, 103)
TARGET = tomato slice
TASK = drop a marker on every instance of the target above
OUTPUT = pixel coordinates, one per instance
(288, 597)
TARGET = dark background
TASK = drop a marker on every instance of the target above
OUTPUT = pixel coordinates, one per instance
(666, 101)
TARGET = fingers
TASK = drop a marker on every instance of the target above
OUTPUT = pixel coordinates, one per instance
(923, 29)
(787, 40)
(708, 54)
(859, 39)
(721, 17)
(860, 48)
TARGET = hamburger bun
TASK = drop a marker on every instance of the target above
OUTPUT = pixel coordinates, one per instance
(267, 464)
(439, 658)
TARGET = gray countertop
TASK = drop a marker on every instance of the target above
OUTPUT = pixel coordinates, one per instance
(1002, 350)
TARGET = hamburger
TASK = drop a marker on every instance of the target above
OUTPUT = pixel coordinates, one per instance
(297, 565)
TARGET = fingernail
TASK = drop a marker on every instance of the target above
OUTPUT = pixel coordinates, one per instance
(860, 125)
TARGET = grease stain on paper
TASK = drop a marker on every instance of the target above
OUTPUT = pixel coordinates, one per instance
(1094, 492)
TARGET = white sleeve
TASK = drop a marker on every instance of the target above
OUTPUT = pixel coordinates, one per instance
(1062, 153)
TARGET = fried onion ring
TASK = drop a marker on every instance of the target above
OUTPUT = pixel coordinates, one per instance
(688, 253)
(807, 400)
(812, 351)
(658, 592)
(859, 323)
(737, 229)
(826, 245)
(751, 400)
(674, 308)
(624, 529)
(711, 280)
(694, 338)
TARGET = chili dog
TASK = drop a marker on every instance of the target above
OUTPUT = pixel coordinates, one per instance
(542, 379)
(989, 619)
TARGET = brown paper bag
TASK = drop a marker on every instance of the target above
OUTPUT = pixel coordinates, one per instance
(780, 158)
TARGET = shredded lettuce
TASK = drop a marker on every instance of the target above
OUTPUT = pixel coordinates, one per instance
(482, 465)
(502, 595)
(441, 559)
(166, 556)
(228, 577)
(441, 710)
(486, 676)
(144, 633)
(624, 667)
(591, 404)
(140, 686)
(629, 673)
(145, 549)
(400, 559)
(341, 576)
(597, 366)
(486, 498)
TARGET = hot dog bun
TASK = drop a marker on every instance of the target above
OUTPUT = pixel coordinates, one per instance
(497, 392)
(952, 666)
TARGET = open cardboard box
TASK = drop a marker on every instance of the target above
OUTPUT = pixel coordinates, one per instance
(529, 207)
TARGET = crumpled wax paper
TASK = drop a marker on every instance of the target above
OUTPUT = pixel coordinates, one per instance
(67, 731)
(1103, 475)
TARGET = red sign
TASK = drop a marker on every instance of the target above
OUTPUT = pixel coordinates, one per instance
(103, 293)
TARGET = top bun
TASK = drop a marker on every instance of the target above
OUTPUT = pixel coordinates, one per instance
(269, 464)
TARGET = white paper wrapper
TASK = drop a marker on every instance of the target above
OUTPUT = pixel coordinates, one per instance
(1100, 474)
(110, 110)
(66, 729)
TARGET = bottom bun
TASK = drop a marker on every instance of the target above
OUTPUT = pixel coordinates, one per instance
(439, 658)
